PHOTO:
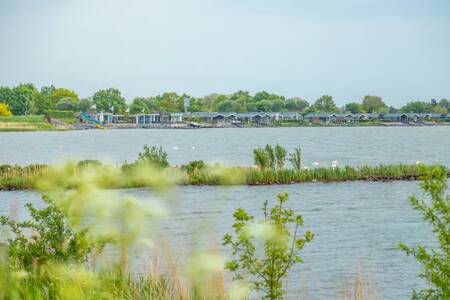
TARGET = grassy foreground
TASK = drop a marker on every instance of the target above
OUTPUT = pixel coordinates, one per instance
(136, 176)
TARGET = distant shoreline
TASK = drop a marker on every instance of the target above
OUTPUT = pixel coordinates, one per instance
(69, 127)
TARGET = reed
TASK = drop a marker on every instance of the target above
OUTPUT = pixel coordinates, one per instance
(20, 178)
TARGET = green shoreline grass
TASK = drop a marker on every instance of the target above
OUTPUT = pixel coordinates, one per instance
(23, 178)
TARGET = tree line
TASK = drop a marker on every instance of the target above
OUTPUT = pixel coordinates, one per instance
(26, 99)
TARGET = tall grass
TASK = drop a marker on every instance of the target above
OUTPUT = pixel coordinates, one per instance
(17, 177)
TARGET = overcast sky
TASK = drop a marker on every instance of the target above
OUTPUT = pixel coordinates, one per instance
(399, 50)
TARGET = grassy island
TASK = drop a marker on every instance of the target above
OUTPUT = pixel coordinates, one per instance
(152, 168)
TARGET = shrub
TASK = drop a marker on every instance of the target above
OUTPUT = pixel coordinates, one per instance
(52, 239)
(154, 156)
(194, 166)
(4, 110)
(280, 247)
(59, 114)
(89, 162)
(435, 261)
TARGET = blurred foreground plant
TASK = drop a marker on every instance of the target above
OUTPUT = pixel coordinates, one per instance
(436, 212)
(279, 248)
(52, 238)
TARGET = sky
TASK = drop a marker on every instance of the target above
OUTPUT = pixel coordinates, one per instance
(397, 49)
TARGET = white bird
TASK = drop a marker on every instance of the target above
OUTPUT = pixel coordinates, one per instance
(193, 147)
(175, 148)
(305, 168)
(334, 164)
(418, 162)
(315, 163)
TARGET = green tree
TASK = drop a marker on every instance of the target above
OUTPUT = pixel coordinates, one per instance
(325, 104)
(85, 105)
(436, 212)
(68, 103)
(445, 103)
(277, 105)
(109, 100)
(296, 104)
(373, 104)
(228, 106)
(6, 94)
(139, 106)
(60, 93)
(439, 109)
(416, 107)
(353, 108)
(170, 102)
(278, 233)
(241, 100)
(22, 98)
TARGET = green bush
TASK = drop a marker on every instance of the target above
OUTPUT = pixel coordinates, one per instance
(154, 156)
(268, 266)
(59, 114)
(52, 239)
(436, 212)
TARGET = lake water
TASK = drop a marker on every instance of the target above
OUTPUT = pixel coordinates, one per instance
(357, 225)
(353, 146)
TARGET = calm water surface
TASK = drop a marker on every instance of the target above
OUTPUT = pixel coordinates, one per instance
(356, 225)
(359, 145)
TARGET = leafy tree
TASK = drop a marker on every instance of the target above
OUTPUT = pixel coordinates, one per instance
(241, 99)
(353, 108)
(170, 102)
(325, 104)
(109, 100)
(85, 105)
(68, 103)
(393, 109)
(445, 103)
(52, 238)
(4, 110)
(416, 107)
(22, 98)
(439, 109)
(436, 212)
(6, 94)
(139, 106)
(269, 266)
(296, 104)
(61, 93)
(373, 104)
(277, 105)
(146, 105)
(227, 106)
(263, 105)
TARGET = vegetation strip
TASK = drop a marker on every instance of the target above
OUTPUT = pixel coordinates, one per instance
(126, 176)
